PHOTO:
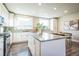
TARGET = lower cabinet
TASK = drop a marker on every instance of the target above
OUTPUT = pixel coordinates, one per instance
(1, 46)
(11, 38)
(47, 48)
(37, 48)
(53, 48)
(31, 44)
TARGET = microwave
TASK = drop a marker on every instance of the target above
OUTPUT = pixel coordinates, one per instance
(1, 20)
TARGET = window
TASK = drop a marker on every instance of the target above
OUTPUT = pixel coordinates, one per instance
(45, 22)
(23, 22)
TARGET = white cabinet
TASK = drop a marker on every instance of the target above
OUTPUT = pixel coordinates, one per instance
(6, 17)
(0, 9)
(31, 44)
(11, 19)
(20, 37)
(53, 48)
(47, 48)
(4, 13)
(1, 46)
(11, 38)
(37, 48)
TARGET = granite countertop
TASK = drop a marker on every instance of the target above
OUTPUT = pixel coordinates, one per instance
(1, 35)
(47, 37)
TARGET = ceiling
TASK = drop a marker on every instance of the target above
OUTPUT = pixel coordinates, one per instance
(47, 10)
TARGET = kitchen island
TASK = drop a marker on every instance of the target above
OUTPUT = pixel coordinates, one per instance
(47, 44)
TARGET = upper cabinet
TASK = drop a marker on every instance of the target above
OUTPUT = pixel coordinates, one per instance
(11, 19)
(0, 9)
(4, 13)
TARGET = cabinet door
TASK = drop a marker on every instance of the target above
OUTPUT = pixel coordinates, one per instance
(5, 14)
(31, 45)
(37, 48)
(11, 38)
(1, 46)
(0, 9)
(53, 48)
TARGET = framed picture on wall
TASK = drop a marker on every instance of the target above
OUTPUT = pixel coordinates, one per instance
(66, 25)
(71, 25)
(74, 25)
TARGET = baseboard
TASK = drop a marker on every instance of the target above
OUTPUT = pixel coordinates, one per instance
(75, 40)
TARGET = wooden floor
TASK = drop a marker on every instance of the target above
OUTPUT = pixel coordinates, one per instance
(73, 50)
(21, 49)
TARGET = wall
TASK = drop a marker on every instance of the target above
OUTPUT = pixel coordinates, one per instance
(73, 16)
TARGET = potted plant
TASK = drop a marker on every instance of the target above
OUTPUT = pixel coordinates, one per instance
(40, 28)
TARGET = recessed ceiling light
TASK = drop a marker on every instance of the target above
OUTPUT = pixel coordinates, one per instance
(39, 4)
(65, 11)
(55, 8)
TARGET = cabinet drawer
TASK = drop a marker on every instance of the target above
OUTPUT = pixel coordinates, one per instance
(1, 52)
(1, 48)
(1, 40)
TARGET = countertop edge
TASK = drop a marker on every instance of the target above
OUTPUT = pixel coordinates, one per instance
(49, 39)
